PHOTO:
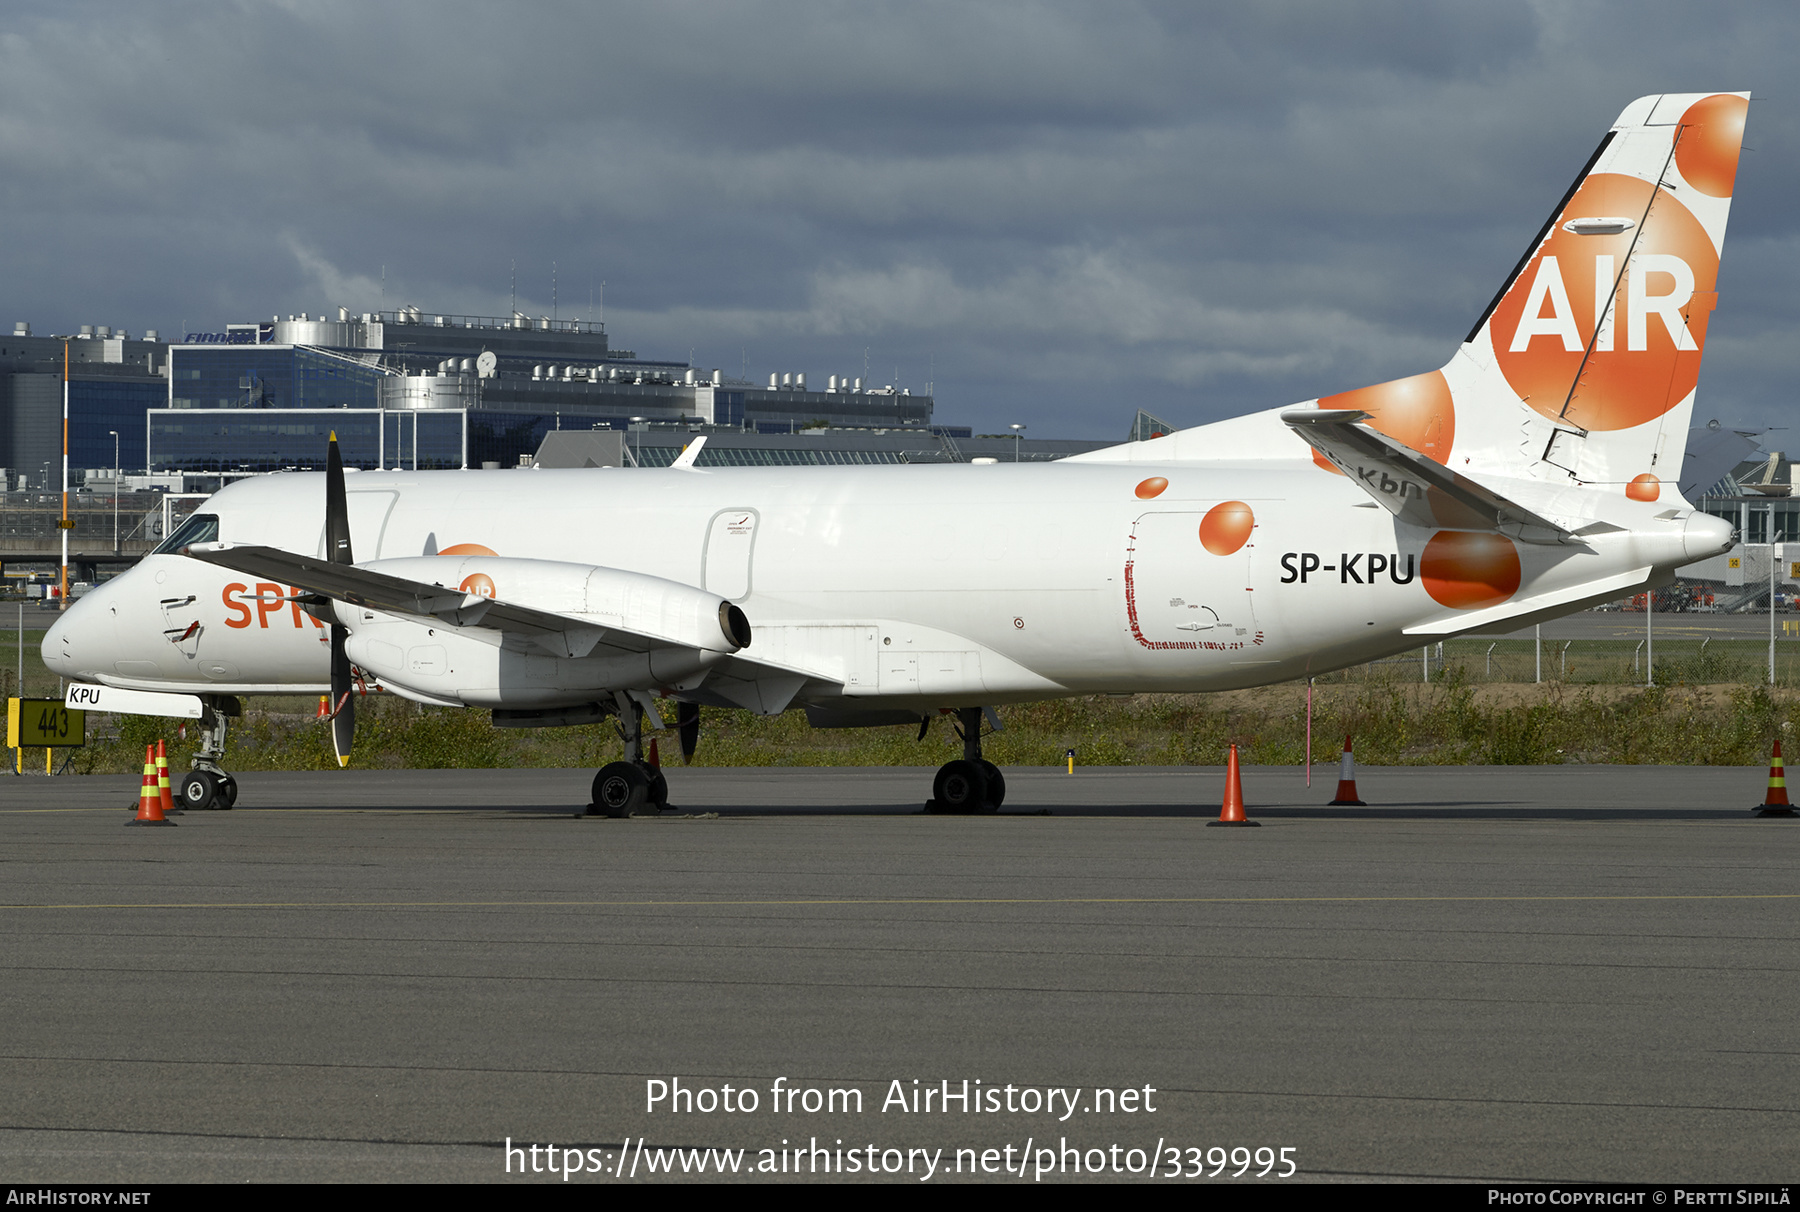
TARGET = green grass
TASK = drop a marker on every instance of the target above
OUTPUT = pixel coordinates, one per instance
(1453, 722)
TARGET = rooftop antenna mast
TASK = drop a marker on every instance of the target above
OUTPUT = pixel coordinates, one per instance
(553, 290)
(512, 294)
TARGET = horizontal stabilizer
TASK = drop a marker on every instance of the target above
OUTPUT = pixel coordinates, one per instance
(1415, 489)
(1543, 605)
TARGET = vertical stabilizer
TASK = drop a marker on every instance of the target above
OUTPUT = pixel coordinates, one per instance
(1584, 366)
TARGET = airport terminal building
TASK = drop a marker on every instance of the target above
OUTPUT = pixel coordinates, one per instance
(114, 381)
(411, 390)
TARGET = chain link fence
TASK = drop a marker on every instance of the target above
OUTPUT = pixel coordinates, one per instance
(1611, 662)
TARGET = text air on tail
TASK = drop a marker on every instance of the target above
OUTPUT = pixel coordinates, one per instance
(1582, 370)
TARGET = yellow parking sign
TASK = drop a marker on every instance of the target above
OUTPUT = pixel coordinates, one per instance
(44, 723)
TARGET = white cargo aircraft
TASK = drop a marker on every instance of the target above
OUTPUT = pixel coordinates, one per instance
(1534, 474)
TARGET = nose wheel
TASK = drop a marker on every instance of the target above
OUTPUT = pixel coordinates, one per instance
(972, 783)
(209, 786)
(204, 790)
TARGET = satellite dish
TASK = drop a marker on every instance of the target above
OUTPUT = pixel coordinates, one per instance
(487, 363)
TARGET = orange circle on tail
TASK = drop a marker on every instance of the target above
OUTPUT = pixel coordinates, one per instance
(1637, 373)
(1416, 410)
(1464, 570)
(1644, 488)
(468, 549)
(1226, 527)
(1152, 487)
(1712, 133)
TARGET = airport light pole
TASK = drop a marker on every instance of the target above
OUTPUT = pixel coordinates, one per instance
(64, 524)
(115, 438)
(1774, 556)
(1018, 432)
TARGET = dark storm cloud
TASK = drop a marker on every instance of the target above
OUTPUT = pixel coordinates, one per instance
(1058, 212)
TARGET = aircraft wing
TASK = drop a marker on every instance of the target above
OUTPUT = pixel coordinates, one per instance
(728, 679)
(1410, 486)
(371, 589)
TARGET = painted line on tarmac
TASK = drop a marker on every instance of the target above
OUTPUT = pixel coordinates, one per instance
(984, 900)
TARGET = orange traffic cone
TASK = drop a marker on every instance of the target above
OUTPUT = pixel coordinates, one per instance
(1232, 813)
(655, 761)
(162, 780)
(1346, 792)
(149, 799)
(324, 707)
(1775, 800)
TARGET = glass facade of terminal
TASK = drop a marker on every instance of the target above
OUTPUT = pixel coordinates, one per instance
(216, 440)
(763, 456)
(99, 407)
(269, 376)
(1756, 518)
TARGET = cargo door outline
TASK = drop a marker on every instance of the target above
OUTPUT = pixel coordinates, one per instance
(1178, 595)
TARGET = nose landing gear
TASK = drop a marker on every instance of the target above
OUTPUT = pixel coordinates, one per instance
(209, 786)
(971, 784)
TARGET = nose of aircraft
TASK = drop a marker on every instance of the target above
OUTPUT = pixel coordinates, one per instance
(80, 641)
(1706, 536)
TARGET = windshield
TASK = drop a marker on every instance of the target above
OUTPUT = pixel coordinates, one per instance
(199, 528)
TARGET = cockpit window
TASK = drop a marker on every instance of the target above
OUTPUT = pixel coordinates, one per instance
(199, 528)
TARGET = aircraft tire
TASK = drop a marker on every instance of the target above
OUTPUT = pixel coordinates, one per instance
(996, 784)
(226, 799)
(621, 788)
(658, 793)
(197, 791)
(960, 787)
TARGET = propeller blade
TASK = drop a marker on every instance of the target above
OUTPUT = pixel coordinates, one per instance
(337, 509)
(687, 723)
(337, 550)
(343, 698)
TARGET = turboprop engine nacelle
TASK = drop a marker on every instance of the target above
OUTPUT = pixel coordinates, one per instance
(625, 631)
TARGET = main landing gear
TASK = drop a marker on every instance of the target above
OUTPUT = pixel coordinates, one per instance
(209, 786)
(631, 786)
(972, 784)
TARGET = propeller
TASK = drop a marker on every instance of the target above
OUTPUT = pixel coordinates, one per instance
(337, 551)
(687, 724)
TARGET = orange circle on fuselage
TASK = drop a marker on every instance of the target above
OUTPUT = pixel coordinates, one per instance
(1621, 386)
(479, 583)
(1712, 132)
(468, 549)
(1416, 410)
(1226, 527)
(1463, 569)
(1644, 488)
(1152, 487)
